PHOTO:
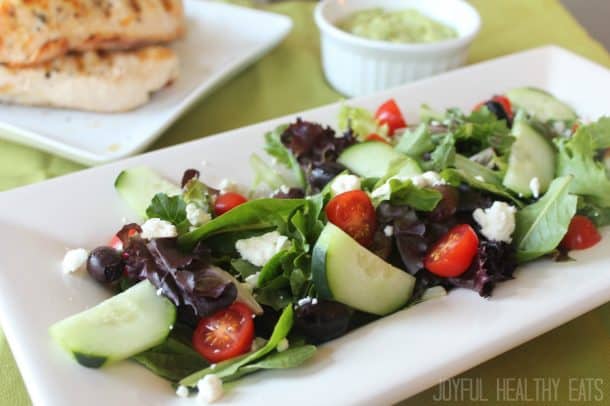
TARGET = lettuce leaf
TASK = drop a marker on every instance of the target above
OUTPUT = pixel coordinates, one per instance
(405, 193)
(541, 226)
(275, 148)
(360, 121)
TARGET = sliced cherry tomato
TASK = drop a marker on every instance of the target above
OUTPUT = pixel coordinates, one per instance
(227, 201)
(453, 254)
(575, 127)
(353, 213)
(389, 113)
(376, 137)
(582, 234)
(225, 334)
(117, 244)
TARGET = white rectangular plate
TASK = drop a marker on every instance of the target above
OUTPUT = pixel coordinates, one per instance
(383, 362)
(221, 39)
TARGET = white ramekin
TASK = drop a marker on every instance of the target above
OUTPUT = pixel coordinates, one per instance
(355, 66)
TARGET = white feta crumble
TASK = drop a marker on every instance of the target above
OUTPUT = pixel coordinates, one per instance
(210, 389)
(559, 127)
(74, 260)
(480, 178)
(182, 391)
(314, 301)
(157, 228)
(535, 187)
(388, 231)
(345, 183)
(497, 222)
(260, 249)
(282, 345)
(426, 179)
(304, 301)
(159, 291)
(282, 189)
(252, 280)
(197, 215)
(257, 344)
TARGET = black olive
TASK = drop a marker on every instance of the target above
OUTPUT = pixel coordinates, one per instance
(323, 173)
(291, 193)
(105, 264)
(498, 110)
(322, 320)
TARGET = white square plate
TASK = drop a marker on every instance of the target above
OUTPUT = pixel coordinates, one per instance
(221, 39)
(383, 362)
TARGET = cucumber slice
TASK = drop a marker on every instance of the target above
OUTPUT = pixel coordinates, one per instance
(137, 186)
(540, 104)
(372, 160)
(118, 328)
(531, 156)
(346, 272)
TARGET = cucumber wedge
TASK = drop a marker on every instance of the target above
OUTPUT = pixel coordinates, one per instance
(531, 156)
(540, 104)
(137, 186)
(372, 160)
(118, 328)
(346, 272)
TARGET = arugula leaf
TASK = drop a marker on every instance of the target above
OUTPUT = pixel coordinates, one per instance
(404, 192)
(172, 209)
(291, 358)
(253, 215)
(541, 226)
(171, 360)
(416, 142)
(576, 158)
(442, 156)
(276, 293)
(227, 368)
(273, 267)
(275, 148)
(361, 121)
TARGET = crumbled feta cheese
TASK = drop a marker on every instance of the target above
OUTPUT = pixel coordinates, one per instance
(388, 231)
(480, 178)
(197, 215)
(74, 260)
(314, 301)
(282, 345)
(282, 189)
(182, 391)
(157, 228)
(260, 249)
(426, 179)
(559, 127)
(304, 301)
(497, 222)
(159, 291)
(535, 187)
(345, 183)
(252, 280)
(210, 389)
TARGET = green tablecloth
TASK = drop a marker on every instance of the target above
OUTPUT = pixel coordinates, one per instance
(289, 79)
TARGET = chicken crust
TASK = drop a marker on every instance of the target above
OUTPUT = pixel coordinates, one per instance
(36, 31)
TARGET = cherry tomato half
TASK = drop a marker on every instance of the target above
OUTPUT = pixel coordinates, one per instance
(227, 201)
(376, 137)
(453, 254)
(117, 244)
(225, 334)
(389, 113)
(582, 234)
(353, 213)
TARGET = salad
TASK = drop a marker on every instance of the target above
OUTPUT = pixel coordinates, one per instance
(340, 227)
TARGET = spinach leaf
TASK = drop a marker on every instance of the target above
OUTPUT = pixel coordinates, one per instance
(272, 267)
(291, 358)
(172, 209)
(576, 158)
(404, 192)
(171, 360)
(275, 148)
(253, 215)
(228, 368)
(541, 226)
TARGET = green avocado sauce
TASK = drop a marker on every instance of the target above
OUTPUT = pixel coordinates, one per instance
(401, 26)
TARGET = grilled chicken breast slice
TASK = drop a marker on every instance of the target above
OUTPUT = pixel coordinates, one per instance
(95, 80)
(35, 31)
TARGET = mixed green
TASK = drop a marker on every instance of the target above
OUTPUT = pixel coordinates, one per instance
(339, 228)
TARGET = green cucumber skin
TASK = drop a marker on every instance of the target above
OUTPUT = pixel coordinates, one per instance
(90, 361)
(318, 261)
(372, 159)
(137, 186)
(541, 104)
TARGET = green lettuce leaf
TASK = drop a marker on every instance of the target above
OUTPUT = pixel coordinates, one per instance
(405, 193)
(361, 121)
(479, 130)
(416, 142)
(275, 148)
(266, 174)
(541, 226)
(576, 158)
(443, 155)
